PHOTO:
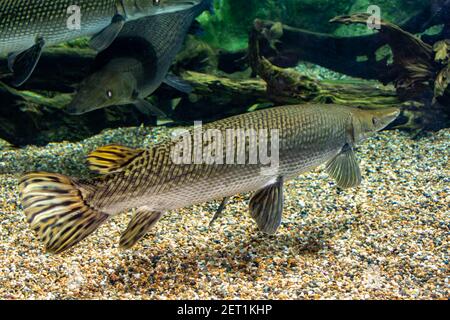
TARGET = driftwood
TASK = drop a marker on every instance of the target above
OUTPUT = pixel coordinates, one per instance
(413, 66)
(353, 56)
(215, 97)
(31, 118)
(418, 72)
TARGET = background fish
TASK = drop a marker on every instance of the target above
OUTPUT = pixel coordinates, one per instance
(63, 211)
(137, 63)
(27, 26)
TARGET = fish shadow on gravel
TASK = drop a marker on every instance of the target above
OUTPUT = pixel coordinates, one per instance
(244, 256)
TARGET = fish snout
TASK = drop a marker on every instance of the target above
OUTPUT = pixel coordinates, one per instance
(72, 109)
(385, 117)
(76, 107)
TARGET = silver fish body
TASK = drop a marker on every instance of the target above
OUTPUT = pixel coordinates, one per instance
(166, 44)
(137, 63)
(22, 21)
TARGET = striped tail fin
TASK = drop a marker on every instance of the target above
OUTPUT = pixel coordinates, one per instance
(54, 207)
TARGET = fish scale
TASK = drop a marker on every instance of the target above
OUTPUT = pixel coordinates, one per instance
(162, 185)
(165, 44)
(22, 21)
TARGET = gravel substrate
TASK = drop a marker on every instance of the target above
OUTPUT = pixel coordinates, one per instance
(388, 238)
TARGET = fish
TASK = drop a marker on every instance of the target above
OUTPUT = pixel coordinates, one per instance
(63, 210)
(132, 68)
(28, 26)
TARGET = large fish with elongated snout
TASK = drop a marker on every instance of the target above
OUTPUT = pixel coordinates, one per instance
(137, 63)
(63, 211)
(27, 26)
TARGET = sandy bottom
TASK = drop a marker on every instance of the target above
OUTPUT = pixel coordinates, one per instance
(388, 238)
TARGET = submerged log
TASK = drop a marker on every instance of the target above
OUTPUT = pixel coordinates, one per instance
(215, 97)
(353, 56)
(419, 70)
(413, 66)
(31, 118)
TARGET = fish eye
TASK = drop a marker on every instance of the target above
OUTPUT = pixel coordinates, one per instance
(375, 121)
(109, 94)
(156, 2)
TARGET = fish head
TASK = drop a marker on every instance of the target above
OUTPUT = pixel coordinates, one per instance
(136, 9)
(367, 122)
(103, 89)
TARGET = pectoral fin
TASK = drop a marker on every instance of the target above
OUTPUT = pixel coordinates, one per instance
(266, 207)
(140, 224)
(220, 210)
(178, 83)
(111, 158)
(149, 109)
(24, 63)
(104, 38)
(344, 169)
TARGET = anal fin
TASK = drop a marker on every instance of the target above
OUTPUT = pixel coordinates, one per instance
(111, 158)
(266, 207)
(104, 38)
(140, 224)
(344, 168)
(149, 109)
(22, 64)
(219, 211)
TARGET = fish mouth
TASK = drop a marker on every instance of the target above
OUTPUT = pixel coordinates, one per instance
(391, 114)
(386, 117)
(73, 109)
(79, 106)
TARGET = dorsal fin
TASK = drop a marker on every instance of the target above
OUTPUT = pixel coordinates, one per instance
(111, 158)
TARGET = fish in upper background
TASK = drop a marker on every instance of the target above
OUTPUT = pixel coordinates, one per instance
(63, 211)
(27, 26)
(137, 63)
